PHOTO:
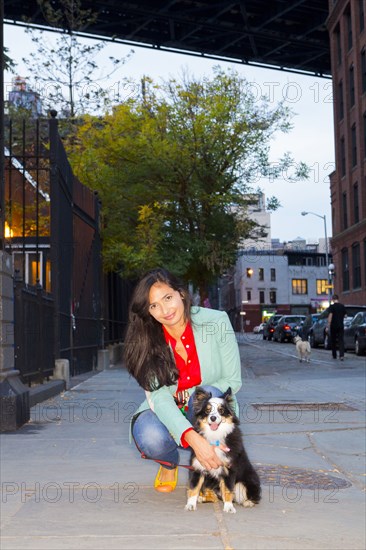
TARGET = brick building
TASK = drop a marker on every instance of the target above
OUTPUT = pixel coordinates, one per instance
(346, 25)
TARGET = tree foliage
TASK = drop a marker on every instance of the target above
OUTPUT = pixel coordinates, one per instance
(174, 169)
(9, 63)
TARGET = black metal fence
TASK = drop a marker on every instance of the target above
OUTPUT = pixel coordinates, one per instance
(52, 233)
(33, 332)
(117, 293)
(75, 262)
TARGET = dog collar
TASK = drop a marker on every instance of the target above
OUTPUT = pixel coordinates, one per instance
(215, 443)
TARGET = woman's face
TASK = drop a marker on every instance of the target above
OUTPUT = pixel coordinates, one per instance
(166, 305)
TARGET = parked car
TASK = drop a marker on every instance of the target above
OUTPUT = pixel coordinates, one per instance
(307, 325)
(315, 316)
(288, 327)
(269, 326)
(348, 320)
(318, 335)
(259, 329)
(355, 334)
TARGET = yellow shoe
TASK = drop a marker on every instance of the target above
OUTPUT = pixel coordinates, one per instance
(165, 486)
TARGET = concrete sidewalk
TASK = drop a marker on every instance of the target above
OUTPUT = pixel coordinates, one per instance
(71, 480)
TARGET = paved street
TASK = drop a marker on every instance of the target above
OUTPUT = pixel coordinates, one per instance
(71, 480)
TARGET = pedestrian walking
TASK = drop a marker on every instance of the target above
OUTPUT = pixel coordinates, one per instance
(336, 314)
(171, 347)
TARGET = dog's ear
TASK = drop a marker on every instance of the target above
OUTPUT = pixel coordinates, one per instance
(200, 397)
(228, 396)
(227, 393)
(200, 394)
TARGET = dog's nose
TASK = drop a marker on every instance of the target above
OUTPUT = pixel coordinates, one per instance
(213, 418)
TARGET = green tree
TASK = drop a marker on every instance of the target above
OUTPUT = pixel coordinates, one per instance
(9, 63)
(188, 153)
(64, 71)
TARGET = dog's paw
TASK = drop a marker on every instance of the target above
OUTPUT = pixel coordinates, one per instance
(191, 505)
(248, 504)
(229, 508)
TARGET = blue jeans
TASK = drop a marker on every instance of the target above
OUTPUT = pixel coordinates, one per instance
(152, 437)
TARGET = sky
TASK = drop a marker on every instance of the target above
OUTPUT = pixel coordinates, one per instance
(311, 140)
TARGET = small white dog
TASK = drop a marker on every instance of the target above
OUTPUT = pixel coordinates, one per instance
(303, 349)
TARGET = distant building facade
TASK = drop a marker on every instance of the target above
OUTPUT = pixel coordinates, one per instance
(271, 276)
(346, 25)
(286, 280)
(257, 212)
(21, 96)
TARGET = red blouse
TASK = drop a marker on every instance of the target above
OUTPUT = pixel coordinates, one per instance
(190, 371)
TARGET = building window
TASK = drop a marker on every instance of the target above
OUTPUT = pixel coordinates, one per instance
(249, 272)
(344, 211)
(261, 296)
(345, 270)
(337, 35)
(261, 274)
(249, 295)
(356, 207)
(340, 100)
(272, 297)
(349, 28)
(273, 274)
(363, 70)
(299, 286)
(354, 145)
(343, 158)
(356, 265)
(351, 86)
(35, 270)
(321, 286)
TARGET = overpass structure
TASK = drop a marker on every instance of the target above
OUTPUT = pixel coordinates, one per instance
(280, 34)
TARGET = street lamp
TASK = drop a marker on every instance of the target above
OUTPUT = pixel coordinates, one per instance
(331, 269)
(326, 246)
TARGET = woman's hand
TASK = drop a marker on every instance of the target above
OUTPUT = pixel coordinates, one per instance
(204, 452)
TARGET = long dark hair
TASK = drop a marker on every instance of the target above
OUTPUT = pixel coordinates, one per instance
(147, 356)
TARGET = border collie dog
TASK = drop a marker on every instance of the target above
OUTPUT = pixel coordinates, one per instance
(236, 480)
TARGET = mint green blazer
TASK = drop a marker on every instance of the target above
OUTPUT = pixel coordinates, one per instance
(219, 358)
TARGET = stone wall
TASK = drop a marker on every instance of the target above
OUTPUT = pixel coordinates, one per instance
(6, 314)
(14, 396)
